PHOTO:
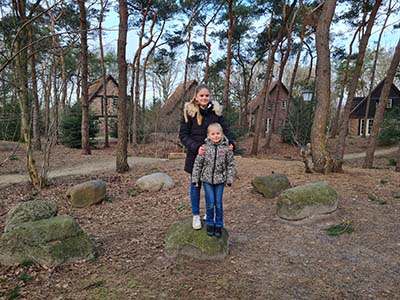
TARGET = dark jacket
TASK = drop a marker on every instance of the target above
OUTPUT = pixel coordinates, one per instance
(192, 135)
(216, 166)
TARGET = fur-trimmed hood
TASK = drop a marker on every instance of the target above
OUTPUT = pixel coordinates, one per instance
(191, 109)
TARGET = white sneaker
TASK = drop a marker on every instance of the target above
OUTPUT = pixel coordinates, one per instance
(205, 217)
(196, 224)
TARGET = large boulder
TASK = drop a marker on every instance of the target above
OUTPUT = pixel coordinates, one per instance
(272, 185)
(48, 242)
(155, 182)
(87, 193)
(30, 211)
(305, 201)
(183, 240)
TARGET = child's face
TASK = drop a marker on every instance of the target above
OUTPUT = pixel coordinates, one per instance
(203, 97)
(214, 134)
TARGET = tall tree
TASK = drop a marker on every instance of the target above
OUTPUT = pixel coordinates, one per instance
(372, 140)
(344, 126)
(85, 85)
(103, 6)
(319, 127)
(122, 147)
(229, 52)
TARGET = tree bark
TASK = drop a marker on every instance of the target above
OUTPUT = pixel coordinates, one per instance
(122, 147)
(372, 140)
(85, 86)
(103, 6)
(36, 103)
(319, 127)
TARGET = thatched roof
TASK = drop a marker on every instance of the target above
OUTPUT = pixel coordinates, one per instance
(181, 94)
(96, 87)
(255, 103)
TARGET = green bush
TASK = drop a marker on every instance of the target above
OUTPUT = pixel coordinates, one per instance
(389, 133)
(71, 134)
(10, 123)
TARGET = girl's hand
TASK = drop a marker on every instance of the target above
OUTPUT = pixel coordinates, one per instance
(202, 150)
(230, 147)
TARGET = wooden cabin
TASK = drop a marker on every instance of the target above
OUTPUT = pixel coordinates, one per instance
(278, 98)
(359, 106)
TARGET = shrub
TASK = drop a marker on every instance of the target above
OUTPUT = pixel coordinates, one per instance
(389, 133)
(71, 134)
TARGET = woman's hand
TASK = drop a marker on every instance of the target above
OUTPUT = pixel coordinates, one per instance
(202, 150)
(230, 147)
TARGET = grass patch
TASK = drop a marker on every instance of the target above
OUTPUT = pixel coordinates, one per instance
(181, 207)
(25, 277)
(12, 294)
(392, 162)
(376, 199)
(339, 229)
(27, 262)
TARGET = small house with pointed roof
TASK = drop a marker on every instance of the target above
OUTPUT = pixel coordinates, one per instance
(359, 106)
(278, 104)
(171, 111)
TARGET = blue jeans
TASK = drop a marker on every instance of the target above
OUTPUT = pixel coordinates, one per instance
(214, 208)
(195, 197)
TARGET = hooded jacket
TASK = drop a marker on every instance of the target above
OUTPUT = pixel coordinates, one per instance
(193, 128)
(216, 166)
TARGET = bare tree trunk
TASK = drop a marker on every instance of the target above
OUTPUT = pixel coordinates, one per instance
(122, 147)
(336, 120)
(229, 53)
(85, 86)
(262, 109)
(208, 44)
(21, 84)
(319, 127)
(372, 79)
(344, 126)
(372, 140)
(280, 75)
(103, 6)
(36, 102)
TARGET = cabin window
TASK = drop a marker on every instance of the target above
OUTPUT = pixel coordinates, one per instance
(370, 123)
(269, 124)
(283, 104)
(389, 103)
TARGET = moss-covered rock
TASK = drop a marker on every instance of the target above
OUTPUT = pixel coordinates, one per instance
(305, 201)
(272, 185)
(30, 211)
(49, 242)
(182, 240)
(87, 193)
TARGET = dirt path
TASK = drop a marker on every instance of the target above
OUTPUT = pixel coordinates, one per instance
(86, 168)
(109, 165)
(377, 152)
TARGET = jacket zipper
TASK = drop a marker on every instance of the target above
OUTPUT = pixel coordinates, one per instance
(215, 162)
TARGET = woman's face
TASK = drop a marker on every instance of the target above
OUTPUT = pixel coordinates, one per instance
(203, 97)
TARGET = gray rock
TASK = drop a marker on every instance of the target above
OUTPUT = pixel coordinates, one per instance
(272, 185)
(155, 182)
(48, 242)
(305, 201)
(30, 211)
(183, 240)
(87, 193)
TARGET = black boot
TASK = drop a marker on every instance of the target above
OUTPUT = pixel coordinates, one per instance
(210, 230)
(218, 231)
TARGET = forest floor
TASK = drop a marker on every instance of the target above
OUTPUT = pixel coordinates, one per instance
(269, 258)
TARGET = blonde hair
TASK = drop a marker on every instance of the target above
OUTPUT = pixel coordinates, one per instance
(195, 105)
(215, 126)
